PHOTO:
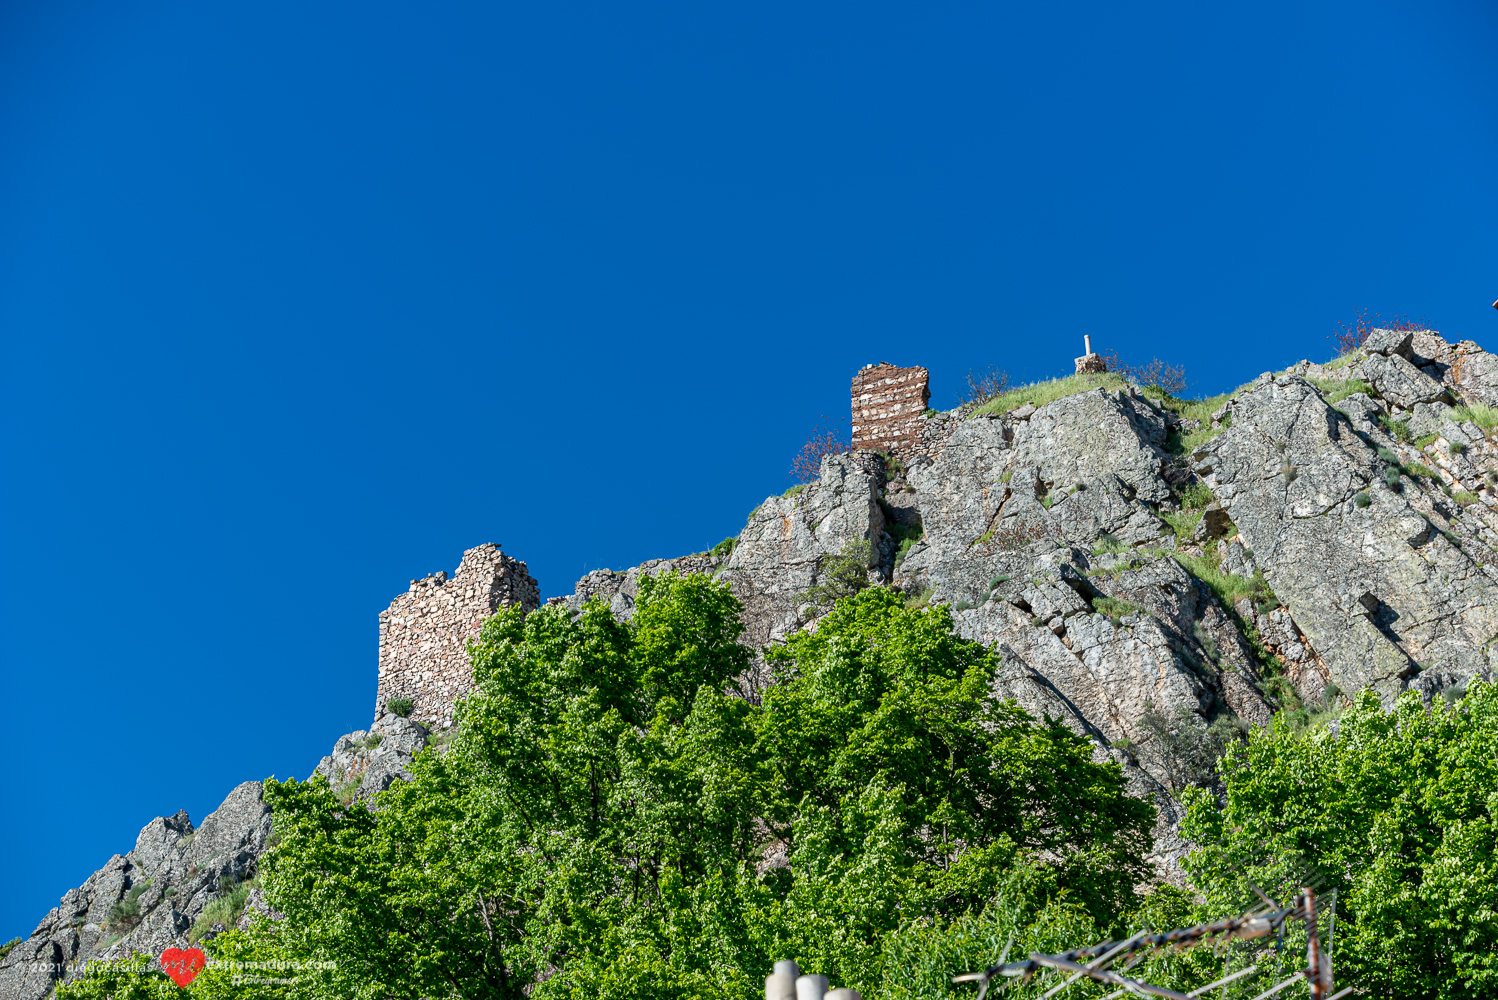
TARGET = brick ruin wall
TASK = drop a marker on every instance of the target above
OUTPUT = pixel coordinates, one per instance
(424, 633)
(889, 406)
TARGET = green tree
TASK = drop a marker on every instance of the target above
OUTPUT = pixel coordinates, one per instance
(612, 819)
(1396, 811)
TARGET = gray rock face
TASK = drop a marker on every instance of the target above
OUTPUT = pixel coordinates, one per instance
(1387, 342)
(143, 901)
(1062, 536)
(1077, 469)
(147, 900)
(1379, 590)
(1400, 382)
(365, 763)
(780, 552)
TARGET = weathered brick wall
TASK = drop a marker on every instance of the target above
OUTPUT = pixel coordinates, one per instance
(889, 404)
(424, 633)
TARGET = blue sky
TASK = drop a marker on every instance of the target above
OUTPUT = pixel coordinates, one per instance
(298, 301)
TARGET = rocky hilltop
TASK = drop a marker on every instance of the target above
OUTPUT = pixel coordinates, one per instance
(1131, 558)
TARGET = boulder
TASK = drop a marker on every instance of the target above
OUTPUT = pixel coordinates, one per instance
(1400, 382)
(1387, 342)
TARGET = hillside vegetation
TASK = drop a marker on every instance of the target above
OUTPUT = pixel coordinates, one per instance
(608, 822)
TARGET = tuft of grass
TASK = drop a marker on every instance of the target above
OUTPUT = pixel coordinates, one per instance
(1399, 430)
(1107, 545)
(1464, 498)
(1414, 469)
(907, 536)
(1334, 390)
(1455, 447)
(7, 946)
(723, 549)
(1362, 500)
(1113, 607)
(1041, 393)
(1196, 496)
(963, 606)
(1484, 416)
(1229, 587)
(919, 599)
(126, 913)
(1183, 523)
(400, 706)
(372, 740)
(1391, 477)
(792, 491)
(223, 910)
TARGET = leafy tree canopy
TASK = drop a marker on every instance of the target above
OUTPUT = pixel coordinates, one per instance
(1395, 811)
(612, 819)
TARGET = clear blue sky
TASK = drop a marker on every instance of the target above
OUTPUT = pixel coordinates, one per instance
(299, 301)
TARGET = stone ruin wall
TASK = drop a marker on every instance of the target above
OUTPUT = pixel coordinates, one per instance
(424, 633)
(889, 406)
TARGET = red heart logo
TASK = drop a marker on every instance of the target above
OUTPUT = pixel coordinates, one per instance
(182, 965)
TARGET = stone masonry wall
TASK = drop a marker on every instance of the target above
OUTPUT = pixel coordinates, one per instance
(424, 633)
(889, 404)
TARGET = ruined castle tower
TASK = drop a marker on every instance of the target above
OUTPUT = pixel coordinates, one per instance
(424, 633)
(889, 404)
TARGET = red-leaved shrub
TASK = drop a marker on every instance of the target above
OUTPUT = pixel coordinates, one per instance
(1349, 338)
(823, 441)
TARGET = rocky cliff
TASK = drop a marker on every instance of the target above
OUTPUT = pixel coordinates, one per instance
(1322, 530)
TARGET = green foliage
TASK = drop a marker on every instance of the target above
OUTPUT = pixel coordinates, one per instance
(1425, 441)
(792, 491)
(1201, 411)
(1041, 393)
(1183, 522)
(599, 824)
(1464, 498)
(373, 740)
(135, 978)
(1107, 544)
(125, 914)
(223, 910)
(399, 706)
(1394, 811)
(1334, 390)
(842, 575)
(1196, 496)
(1113, 607)
(1413, 469)
(1391, 477)
(1229, 587)
(1481, 414)
(1362, 500)
(1181, 750)
(907, 535)
(1399, 430)
(7, 946)
(723, 549)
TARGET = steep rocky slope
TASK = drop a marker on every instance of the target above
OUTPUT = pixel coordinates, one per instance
(1326, 529)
